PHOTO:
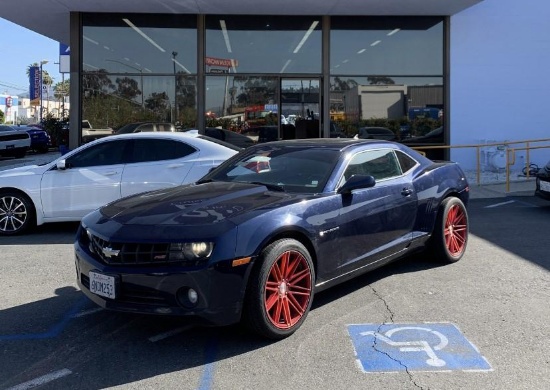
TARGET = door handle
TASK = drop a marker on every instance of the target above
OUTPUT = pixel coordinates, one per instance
(175, 165)
(110, 173)
(406, 191)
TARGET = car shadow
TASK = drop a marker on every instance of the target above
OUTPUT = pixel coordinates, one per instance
(50, 233)
(519, 225)
(67, 331)
(416, 262)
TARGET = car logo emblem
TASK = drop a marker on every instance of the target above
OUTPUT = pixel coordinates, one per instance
(110, 252)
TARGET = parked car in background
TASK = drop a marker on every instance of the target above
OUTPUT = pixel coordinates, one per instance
(40, 139)
(102, 171)
(542, 186)
(257, 237)
(145, 127)
(13, 143)
(434, 136)
(231, 137)
(90, 133)
(376, 133)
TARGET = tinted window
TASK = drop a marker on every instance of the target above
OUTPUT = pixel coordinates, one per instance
(293, 169)
(145, 127)
(381, 164)
(105, 153)
(220, 142)
(406, 162)
(159, 149)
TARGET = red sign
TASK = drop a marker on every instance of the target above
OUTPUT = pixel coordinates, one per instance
(9, 101)
(222, 62)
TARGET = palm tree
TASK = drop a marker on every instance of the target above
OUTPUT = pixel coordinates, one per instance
(60, 91)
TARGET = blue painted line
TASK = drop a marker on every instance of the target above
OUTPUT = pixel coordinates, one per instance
(54, 331)
(208, 373)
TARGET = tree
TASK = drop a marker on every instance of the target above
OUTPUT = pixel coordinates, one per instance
(60, 91)
(380, 80)
(127, 88)
(1, 116)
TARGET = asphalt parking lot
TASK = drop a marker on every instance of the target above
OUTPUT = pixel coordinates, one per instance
(481, 323)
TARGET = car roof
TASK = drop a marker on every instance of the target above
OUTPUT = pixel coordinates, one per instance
(192, 138)
(335, 143)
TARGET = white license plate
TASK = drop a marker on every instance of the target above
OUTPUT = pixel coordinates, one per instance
(103, 285)
(544, 186)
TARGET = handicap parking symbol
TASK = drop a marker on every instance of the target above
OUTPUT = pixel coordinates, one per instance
(414, 347)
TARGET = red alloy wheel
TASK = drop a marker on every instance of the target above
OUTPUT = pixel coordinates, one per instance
(288, 290)
(456, 230)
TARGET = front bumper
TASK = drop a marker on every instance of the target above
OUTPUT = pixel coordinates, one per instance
(542, 193)
(161, 290)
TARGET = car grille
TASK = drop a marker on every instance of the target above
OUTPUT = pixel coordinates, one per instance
(116, 253)
(13, 137)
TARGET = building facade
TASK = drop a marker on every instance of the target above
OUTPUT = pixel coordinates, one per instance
(472, 68)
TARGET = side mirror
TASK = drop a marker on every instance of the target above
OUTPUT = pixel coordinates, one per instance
(62, 164)
(356, 182)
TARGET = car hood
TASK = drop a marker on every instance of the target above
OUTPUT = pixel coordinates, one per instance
(25, 171)
(197, 205)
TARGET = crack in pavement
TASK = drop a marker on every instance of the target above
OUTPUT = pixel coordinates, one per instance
(375, 345)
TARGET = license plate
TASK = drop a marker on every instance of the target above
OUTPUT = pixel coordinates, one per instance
(545, 186)
(10, 146)
(103, 285)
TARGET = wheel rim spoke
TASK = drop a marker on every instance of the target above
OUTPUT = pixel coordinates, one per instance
(455, 230)
(288, 290)
(13, 214)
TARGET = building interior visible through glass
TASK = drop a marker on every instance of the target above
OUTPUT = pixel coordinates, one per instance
(266, 73)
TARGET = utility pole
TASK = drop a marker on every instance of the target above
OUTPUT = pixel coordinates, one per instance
(174, 54)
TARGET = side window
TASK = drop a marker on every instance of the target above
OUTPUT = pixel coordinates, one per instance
(105, 153)
(159, 149)
(381, 164)
(145, 127)
(406, 162)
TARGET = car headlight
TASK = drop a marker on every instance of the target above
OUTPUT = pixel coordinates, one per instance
(191, 250)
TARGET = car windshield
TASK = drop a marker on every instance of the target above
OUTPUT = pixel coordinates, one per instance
(284, 168)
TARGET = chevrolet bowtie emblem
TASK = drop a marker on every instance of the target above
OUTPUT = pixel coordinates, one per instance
(110, 252)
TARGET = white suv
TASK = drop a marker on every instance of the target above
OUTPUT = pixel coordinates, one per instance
(13, 142)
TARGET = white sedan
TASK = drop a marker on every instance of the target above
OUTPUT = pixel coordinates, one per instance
(101, 171)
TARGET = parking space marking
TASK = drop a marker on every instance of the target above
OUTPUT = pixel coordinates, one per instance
(414, 347)
(87, 312)
(499, 204)
(42, 380)
(170, 333)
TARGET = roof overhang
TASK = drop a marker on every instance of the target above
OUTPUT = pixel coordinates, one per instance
(51, 17)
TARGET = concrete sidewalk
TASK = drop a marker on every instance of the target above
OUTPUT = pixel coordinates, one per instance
(525, 187)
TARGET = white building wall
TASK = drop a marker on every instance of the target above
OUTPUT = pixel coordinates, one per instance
(500, 75)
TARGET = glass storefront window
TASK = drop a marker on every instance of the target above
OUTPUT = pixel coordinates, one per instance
(139, 68)
(410, 107)
(140, 44)
(240, 102)
(403, 46)
(263, 44)
(115, 100)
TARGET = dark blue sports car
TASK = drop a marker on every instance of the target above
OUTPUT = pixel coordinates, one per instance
(255, 239)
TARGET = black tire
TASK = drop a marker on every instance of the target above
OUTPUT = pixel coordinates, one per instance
(278, 300)
(42, 149)
(20, 153)
(450, 237)
(17, 213)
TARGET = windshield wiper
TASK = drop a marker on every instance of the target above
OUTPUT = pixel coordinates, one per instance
(269, 186)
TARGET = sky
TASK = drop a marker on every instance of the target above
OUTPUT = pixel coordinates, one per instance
(20, 48)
